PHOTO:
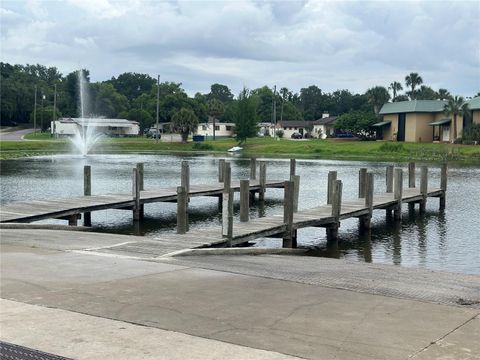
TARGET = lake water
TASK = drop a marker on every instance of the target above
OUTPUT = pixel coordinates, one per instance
(440, 240)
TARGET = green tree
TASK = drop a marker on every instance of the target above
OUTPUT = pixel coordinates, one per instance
(456, 106)
(395, 87)
(215, 109)
(412, 81)
(377, 96)
(45, 117)
(246, 115)
(311, 102)
(220, 92)
(142, 116)
(357, 122)
(108, 102)
(426, 93)
(443, 94)
(185, 122)
(132, 85)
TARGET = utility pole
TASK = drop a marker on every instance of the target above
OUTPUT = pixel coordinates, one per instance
(35, 112)
(158, 108)
(41, 115)
(54, 110)
(274, 112)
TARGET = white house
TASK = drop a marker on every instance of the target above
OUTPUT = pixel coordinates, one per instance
(109, 127)
(221, 129)
(316, 129)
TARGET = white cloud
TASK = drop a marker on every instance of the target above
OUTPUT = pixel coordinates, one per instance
(333, 44)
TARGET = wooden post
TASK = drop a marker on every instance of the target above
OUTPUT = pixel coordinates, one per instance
(288, 214)
(332, 229)
(221, 167)
(389, 179)
(296, 191)
(230, 218)
(443, 185)
(185, 176)
(362, 180)
(423, 188)
(227, 172)
(365, 221)
(293, 165)
(263, 180)
(72, 220)
(136, 194)
(411, 174)
(332, 177)
(87, 191)
(140, 169)
(244, 200)
(181, 210)
(253, 169)
(398, 193)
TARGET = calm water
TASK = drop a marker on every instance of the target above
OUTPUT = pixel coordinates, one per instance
(448, 240)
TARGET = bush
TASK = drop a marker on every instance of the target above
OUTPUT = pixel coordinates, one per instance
(391, 147)
(279, 133)
(202, 146)
(471, 133)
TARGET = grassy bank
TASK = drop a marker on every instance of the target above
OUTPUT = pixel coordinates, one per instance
(322, 149)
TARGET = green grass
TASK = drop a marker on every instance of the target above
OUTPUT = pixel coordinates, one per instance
(322, 149)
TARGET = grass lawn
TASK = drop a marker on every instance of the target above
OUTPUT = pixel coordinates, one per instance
(322, 149)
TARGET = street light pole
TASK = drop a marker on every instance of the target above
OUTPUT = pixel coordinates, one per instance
(35, 112)
(158, 107)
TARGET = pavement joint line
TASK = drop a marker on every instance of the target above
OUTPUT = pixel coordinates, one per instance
(414, 355)
(109, 246)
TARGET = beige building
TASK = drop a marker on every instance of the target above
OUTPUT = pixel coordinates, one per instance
(423, 121)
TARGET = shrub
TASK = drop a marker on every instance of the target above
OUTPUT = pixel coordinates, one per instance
(279, 133)
(391, 147)
(202, 146)
(471, 133)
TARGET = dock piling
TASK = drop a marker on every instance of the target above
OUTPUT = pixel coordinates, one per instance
(423, 188)
(87, 191)
(253, 169)
(398, 193)
(293, 167)
(332, 229)
(221, 166)
(230, 218)
(288, 214)
(226, 198)
(140, 169)
(244, 200)
(411, 184)
(296, 191)
(362, 180)
(332, 177)
(443, 185)
(136, 194)
(263, 180)
(366, 220)
(181, 210)
(389, 178)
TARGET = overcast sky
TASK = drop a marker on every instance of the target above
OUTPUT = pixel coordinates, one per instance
(333, 44)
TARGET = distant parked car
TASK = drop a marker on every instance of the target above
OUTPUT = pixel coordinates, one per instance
(152, 132)
(296, 135)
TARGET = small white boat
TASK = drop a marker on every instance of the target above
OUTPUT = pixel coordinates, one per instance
(235, 149)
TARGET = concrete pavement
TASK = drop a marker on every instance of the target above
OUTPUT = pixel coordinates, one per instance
(283, 305)
(13, 134)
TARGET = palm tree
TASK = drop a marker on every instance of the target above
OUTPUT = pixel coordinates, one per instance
(443, 94)
(185, 121)
(377, 96)
(395, 87)
(412, 81)
(456, 106)
(215, 109)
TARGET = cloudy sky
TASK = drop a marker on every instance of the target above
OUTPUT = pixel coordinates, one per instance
(332, 44)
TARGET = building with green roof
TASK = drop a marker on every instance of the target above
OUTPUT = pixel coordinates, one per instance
(423, 120)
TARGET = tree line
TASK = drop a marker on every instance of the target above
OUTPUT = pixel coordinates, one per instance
(133, 96)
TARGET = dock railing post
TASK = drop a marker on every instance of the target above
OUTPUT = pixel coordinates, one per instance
(136, 194)
(362, 180)
(181, 210)
(288, 214)
(140, 170)
(87, 191)
(332, 229)
(423, 189)
(398, 193)
(332, 177)
(221, 167)
(227, 172)
(411, 183)
(263, 180)
(253, 169)
(244, 200)
(296, 191)
(293, 166)
(443, 185)
(366, 220)
(389, 184)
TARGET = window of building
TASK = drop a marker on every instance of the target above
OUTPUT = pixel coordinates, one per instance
(217, 127)
(204, 127)
(228, 128)
(296, 128)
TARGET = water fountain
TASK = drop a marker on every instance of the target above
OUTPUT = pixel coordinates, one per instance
(86, 135)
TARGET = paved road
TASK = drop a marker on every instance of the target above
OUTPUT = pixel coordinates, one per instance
(14, 135)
